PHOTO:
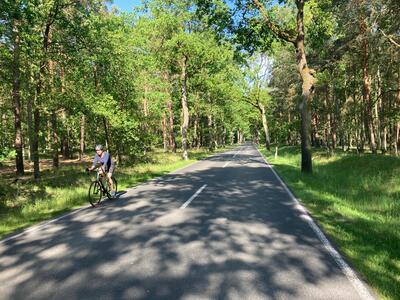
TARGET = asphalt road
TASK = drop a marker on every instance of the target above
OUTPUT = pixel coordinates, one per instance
(222, 228)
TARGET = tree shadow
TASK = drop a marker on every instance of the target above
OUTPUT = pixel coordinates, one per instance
(242, 237)
(353, 196)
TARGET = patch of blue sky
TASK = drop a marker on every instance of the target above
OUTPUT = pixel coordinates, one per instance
(125, 5)
(129, 5)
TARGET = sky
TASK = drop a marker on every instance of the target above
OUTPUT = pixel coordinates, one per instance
(126, 5)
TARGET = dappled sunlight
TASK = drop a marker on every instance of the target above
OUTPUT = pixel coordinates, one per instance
(231, 242)
(354, 197)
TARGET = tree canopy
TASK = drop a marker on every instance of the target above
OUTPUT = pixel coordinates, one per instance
(189, 74)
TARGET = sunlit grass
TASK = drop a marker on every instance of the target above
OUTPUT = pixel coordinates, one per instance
(28, 202)
(356, 199)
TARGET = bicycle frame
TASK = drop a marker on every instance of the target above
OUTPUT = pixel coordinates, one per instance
(98, 188)
(100, 174)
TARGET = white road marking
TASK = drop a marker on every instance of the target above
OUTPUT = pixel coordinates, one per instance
(42, 225)
(237, 153)
(39, 226)
(347, 270)
(228, 162)
(193, 197)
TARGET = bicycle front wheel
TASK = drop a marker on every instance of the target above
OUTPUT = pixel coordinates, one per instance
(95, 193)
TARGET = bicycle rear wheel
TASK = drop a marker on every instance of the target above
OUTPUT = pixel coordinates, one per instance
(95, 193)
(115, 184)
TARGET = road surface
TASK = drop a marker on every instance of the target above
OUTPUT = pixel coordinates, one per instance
(222, 228)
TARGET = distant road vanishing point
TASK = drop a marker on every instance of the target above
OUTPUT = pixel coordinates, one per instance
(222, 228)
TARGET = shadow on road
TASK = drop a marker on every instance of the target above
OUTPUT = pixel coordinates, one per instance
(240, 238)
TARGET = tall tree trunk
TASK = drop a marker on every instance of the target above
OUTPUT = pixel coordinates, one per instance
(108, 145)
(382, 123)
(55, 142)
(165, 140)
(29, 118)
(53, 133)
(289, 132)
(36, 129)
(195, 131)
(397, 123)
(306, 74)
(16, 94)
(224, 137)
(396, 138)
(210, 132)
(185, 109)
(265, 125)
(328, 129)
(145, 101)
(82, 137)
(39, 86)
(369, 126)
(65, 137)
(172, 142)
(307, 91)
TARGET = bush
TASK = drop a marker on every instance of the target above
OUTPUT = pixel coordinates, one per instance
(7, 153)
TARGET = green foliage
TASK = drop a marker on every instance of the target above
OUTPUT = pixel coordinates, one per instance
(28, 202)
(6, 154)
(355, 199)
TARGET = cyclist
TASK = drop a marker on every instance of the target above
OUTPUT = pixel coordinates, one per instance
(107, 165)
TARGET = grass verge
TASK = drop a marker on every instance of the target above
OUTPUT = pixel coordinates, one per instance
(23, 203)
(356, 199)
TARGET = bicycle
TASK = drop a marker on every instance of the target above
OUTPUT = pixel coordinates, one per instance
(98, 189)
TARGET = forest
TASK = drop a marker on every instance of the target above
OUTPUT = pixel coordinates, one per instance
(313, 81)
(186, 74)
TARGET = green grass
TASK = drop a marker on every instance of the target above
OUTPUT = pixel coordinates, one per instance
(27, 202)
(356, 199)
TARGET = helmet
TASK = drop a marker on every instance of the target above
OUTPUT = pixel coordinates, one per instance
(99, 147)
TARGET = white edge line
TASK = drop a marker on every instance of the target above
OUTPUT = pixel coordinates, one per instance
(347, 270)
(193, 196)
(41, 225)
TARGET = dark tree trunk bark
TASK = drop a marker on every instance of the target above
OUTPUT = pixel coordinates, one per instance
(307, 91)
(369, 126)
(108, 144)
(82, 137)
(165, 140)
(306, 74)
(172, 143)
(195, 131)
(65, 138)
(55, 142)
(210, 133)
(31, 100)
(16, 94)
(35, 142)
(39, 86)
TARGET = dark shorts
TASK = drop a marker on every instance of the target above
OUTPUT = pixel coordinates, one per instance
(112, 168)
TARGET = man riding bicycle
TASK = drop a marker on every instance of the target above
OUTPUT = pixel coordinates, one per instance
(107, 165)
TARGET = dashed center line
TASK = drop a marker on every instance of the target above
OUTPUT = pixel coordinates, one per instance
(228, 162)
(184, 205)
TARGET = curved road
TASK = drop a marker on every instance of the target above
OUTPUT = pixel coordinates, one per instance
(222, 228)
